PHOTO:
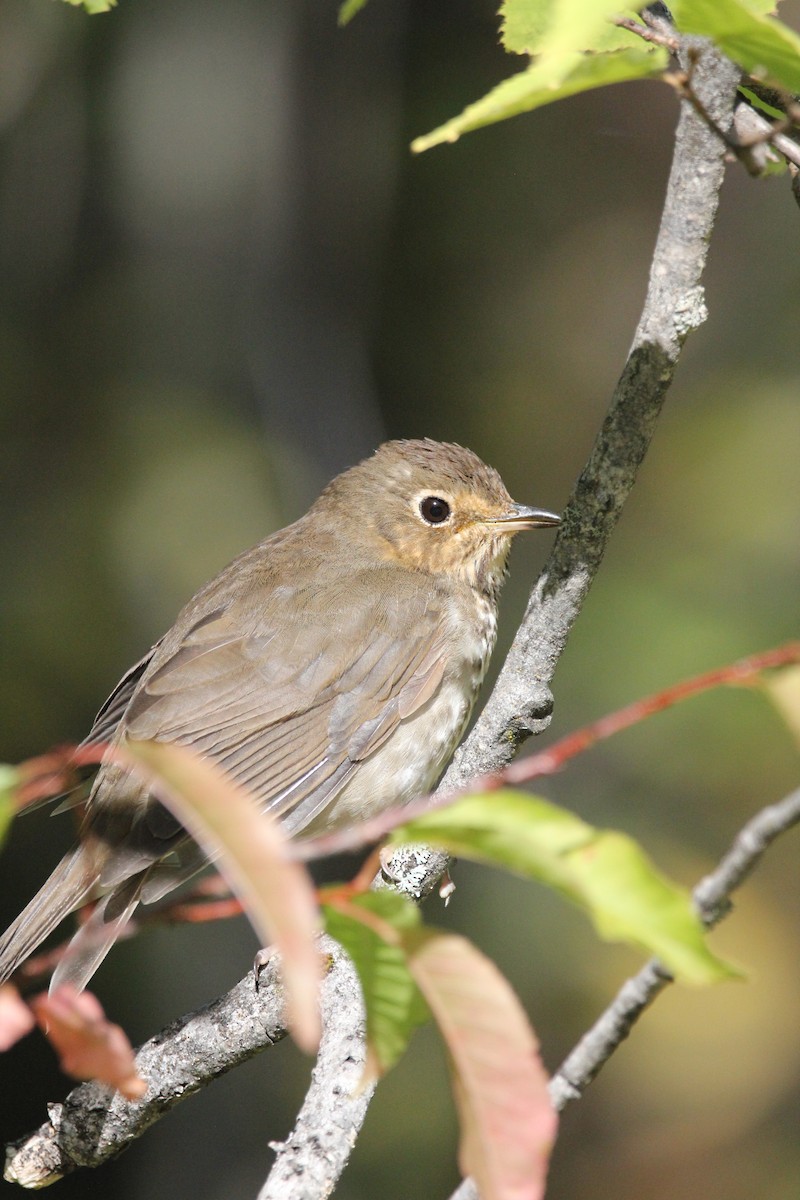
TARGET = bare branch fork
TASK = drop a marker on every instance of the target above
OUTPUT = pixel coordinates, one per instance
(93, 1124)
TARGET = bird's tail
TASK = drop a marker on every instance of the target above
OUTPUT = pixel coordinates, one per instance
(70, 885)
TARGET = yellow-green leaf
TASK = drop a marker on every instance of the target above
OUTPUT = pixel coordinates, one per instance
(764, 46)
(348, 10)
(606, 873)
(783, 689)
(94, 6)
(9, 781)
(553, 77)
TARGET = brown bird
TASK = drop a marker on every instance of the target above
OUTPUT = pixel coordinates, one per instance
(330, 670)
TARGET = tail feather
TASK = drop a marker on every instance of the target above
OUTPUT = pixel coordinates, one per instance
(96, 936)
(69, 886)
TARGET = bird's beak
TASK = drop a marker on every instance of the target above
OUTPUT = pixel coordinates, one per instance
(519, 516)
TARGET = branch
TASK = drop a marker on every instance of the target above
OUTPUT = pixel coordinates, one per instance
(313, 1157)
(521, 702)
(94, 1123)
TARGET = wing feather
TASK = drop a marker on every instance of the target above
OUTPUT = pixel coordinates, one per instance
(287, 704)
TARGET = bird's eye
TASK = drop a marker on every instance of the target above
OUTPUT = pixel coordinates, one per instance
(434, 510)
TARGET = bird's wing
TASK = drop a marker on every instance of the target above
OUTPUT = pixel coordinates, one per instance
(290, 705)
(103, 729)
(108, 718)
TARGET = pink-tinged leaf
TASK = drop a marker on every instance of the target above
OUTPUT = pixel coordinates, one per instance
(16, 1019)
(508, 1123)
(87, 1044)
(253, 854)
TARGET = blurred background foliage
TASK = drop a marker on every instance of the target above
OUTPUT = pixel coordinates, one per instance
(223, 278)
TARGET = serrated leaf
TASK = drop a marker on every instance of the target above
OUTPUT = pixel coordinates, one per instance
(604, 872)
(507, 1121)
(9, 782)
(552, 78)
(523, 24)
(577, 25)
(764, 46)
(393, 1002)
(547, 26)
(253, 854)
(783, 689)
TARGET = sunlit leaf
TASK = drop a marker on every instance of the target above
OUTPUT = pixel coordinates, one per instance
(276, 892)
(94, 6)
(606, 873)
(88, 1045)
(9, 781)
(552, 78)
(783, 689)
(759, 43)
(500, 1086)
(393, 1003)
(348, 10)
(558, 26)
(16, 1018)
(523, 24)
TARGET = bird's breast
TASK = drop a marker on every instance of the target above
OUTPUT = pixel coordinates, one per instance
(410, 762)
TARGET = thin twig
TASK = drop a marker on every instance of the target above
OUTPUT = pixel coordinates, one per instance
(655, 37)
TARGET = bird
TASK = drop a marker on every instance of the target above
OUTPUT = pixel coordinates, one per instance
(330, 670)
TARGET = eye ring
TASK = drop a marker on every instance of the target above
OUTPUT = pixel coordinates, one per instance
(434, 510)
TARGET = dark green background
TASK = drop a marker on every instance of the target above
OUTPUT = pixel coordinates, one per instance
(222, 279)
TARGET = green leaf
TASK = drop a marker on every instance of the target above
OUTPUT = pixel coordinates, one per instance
(9, 782)
(604, 872)
(393, 1002)
(774, 114)
(523, 24)
(348, 10)
(552, 78)
(499, 1084)
(94, 6)
(559, 26)
(764, 46)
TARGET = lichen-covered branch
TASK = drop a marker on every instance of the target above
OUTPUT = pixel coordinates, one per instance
(312, 1158)
(521, 702)
(94, 1123)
